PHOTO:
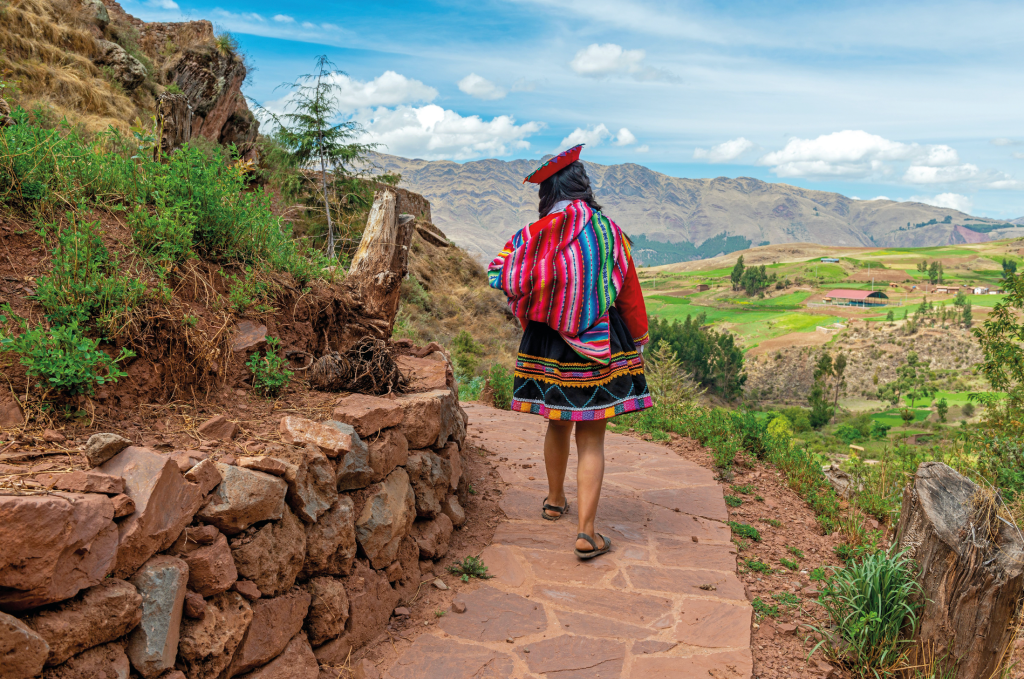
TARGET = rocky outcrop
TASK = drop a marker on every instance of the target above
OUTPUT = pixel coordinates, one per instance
(126, 69)
(211, 80)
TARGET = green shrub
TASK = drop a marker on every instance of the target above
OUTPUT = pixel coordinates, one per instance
(879, 431)
(847, 434)
(744, 531)
(758, 566)
(790, 564)
(501, 379)
(64, 359)
(795, 551)
(248, 290)
(869, 604)
(269, 371)
(465, 353)
(733, 501)
(763, 609)
(470, 567)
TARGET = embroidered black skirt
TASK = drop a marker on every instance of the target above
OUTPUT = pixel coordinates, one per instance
(554, 381)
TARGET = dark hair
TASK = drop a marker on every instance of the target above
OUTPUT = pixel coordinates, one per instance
(572, 183)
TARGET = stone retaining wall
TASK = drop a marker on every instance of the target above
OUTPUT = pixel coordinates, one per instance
(177, 565)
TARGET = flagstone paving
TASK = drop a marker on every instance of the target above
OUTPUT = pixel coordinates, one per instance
(664, 603)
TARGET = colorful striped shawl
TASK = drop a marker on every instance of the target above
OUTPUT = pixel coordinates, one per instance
(566, 270)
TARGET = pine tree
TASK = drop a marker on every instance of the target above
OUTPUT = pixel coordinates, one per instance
(737, 273)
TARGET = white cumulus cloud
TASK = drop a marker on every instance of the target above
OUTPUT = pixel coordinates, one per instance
(953, 201)
(724, 152)
(856, 153)
(601, 60)
(922, 174)
(481, 88)
(163, 4)
(643, 149)
(284, 19)
(432, 133)
(387, 89)
(1004, 141)
(624, 137)
(592, 136)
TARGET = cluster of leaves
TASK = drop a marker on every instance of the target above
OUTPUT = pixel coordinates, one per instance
(744, 530)
(269, 370)
(712, 358)
(470, 567)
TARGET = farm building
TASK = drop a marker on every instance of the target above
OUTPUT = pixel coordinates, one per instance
(980, 291)
(829, 260)
(946, 290)
(856, 298)
(703, 287)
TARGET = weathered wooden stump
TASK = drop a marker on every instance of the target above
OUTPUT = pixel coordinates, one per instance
(971, 568)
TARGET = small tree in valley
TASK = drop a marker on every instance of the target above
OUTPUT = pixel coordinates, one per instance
(737, 273)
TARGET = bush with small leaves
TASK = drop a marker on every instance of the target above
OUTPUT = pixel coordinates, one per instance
(269, 371)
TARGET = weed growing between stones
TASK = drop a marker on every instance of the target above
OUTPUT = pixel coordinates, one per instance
(269, 371)
(470, 567)
(733, 501)
(763, 609)
(758, 566)
(744, 531)
(790, 564)
(500, 379)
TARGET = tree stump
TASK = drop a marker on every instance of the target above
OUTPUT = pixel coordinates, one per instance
(971, 568)
(374, 279)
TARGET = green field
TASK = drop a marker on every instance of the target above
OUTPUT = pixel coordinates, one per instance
(667, 299)
(892, 417)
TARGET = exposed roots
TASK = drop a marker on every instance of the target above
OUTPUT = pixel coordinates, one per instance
(368, 367)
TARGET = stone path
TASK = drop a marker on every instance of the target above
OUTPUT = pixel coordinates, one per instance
(664, 603)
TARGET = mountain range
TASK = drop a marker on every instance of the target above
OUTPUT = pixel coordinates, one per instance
(480, 204)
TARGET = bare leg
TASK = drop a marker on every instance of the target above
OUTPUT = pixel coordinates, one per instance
(556, 459)
(589, 477)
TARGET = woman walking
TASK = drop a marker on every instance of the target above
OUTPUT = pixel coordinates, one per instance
(570, 280)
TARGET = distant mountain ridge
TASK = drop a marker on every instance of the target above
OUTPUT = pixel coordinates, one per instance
(480, 204)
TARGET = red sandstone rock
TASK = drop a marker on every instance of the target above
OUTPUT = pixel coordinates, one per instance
(300, 431)
(433, 536)
(53, 546)
(123, 506)
(368, 414)
(274, 622)
(428, 474)
(386, 518)
(51, 436)
(432, 656)
(370, 602)
(23, 651)
(387, 451)
(248, 589)
(450, 452)
(164, 504)
(312, 482)
(211, 568)
(97, 615)
(186, 459)
(431, 418)
(331, 541)
(328, 610)
(242, 498)
(458, 606)
(103, 446)
(453, 510)
(248, 335)
(273, 557)
(295, 662)
(265, 464)
(365, 670)
(218, 428)
(11, 414)
(207, 646)
(101, 662)
(194, 606)
(83, 482)
(427, 373)
(393, 572)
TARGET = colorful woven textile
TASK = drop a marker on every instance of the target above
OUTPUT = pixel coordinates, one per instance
(566, 271)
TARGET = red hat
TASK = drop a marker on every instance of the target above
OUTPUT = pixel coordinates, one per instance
(556, 164)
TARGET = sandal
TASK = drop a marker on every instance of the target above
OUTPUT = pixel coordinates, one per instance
(590, 554)
(545, 508)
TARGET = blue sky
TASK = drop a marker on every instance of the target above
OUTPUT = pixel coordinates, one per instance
(910, 101)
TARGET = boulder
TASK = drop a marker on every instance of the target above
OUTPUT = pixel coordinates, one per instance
(331, 541)
(153, 645)
(451, 453)
(83, 482)
(432, 537)
(431, 418)
(354, 470)
(212, 81)
(273, 555)
(295, 662)
(205, 474)
(218, 428)
(333, 441)
(274, 622)
(454, 511)
(248, 335)
(123, 506)
(312, 482)
(97, 615)
(328, 610)
(244, 497)
(164, 504)
(368, 414)
(101, 447)
(100, 662)
(387, 451)
(211, 567)
(427, 373)
(97, 11)
(206, 646)
(371, 600)
(386, 518)
(429, 475)
(126, 69)
(23, 652)
(53, 546)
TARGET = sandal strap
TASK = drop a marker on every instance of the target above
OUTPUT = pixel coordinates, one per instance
(561, 510)
(584, 536)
